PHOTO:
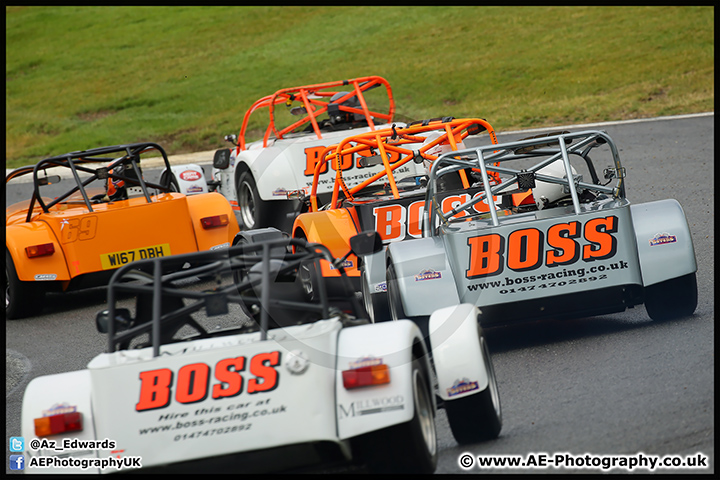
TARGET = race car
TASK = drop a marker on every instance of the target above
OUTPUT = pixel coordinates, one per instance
(578, 248)
(264, 179)
(391, 201)
(67, 238)
(248, 371)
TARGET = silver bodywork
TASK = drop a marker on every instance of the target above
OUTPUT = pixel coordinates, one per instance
(594, 240)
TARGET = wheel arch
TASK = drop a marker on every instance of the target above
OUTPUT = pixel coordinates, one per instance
(18, 237)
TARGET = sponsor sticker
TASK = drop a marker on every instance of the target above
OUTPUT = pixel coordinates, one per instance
(59, 408)
(368, 361)
(662, 239)
(191, 175)
(462, 386)
(45, 277)
(427, 275)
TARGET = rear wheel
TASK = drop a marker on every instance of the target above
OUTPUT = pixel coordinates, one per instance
(410, 447)
(477, 417)
(22, 299)
(258, 213)
(672, 299)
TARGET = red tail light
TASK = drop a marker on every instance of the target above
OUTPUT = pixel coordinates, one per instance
(366, 376)
(60, 423)
(40, 250)
(214, 222)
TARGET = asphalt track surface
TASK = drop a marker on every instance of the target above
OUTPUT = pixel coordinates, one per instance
(610, 385)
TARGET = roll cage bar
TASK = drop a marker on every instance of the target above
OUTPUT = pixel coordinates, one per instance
(82, 162)
(395, 141)
(164, 271)
(491, 161)
(315, 99)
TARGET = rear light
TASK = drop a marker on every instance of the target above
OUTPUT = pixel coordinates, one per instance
(214, 222)
(60, 423)
(366, 376)
(40, 250)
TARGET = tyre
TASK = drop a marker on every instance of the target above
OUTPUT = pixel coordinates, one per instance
(174, 187)
(258, 213)
(477, 417)
(672, 299)
(410, 447)
(376, 304)
(397, 312)
(22, 299)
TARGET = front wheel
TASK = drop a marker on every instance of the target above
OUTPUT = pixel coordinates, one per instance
(477, 417)
(410, 447)
(22, 299)
(672, 299)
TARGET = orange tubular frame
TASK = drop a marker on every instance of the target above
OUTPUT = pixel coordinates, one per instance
(455, 131)
(315, 99)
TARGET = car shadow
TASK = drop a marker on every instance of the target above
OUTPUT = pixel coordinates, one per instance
(526, 334)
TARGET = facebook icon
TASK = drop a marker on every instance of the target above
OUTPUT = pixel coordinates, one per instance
(17, 462)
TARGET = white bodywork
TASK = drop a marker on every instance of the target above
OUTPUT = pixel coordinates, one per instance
(298, 399)
(287, 166)
(190, 178)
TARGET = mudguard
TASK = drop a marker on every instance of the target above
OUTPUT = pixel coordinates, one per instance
(332, 228)
(190, 178)
(375, 272)
(46, 268)
(210, 205)
(368, 409)
(421, 267)
(663, 239)
(457, 353)
(52, 394)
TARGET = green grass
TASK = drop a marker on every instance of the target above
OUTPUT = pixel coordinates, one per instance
(83, 77)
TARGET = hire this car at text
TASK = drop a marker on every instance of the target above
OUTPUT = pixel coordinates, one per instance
(66, 238)
(263, 179)
(257, 367)
(579, 248)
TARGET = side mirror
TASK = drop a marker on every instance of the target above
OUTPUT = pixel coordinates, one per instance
(221, 160)
(366, 243)
(123, 320)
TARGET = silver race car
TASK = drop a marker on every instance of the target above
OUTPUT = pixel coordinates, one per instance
(559, 239)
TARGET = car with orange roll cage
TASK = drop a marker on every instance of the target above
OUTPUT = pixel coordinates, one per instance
(67, 238)
(580, 248)
(391, 201)
(264, 179)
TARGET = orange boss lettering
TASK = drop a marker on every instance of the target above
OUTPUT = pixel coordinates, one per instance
(193, 381)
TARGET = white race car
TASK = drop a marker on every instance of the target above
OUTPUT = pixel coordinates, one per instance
(243, 363)
(264, 180)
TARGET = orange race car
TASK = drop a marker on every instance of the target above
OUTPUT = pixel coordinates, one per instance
(64, 238)
(391, 201)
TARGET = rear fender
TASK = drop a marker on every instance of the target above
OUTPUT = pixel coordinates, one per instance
(375, 272)
(425, 280)
(663, 239)
(190, 178)
(457, 353)
(210, 205)
(46, 268)
(332, 228)
(373, 408)
(68, 391)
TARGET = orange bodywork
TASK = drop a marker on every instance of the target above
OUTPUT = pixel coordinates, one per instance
(115, 233)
